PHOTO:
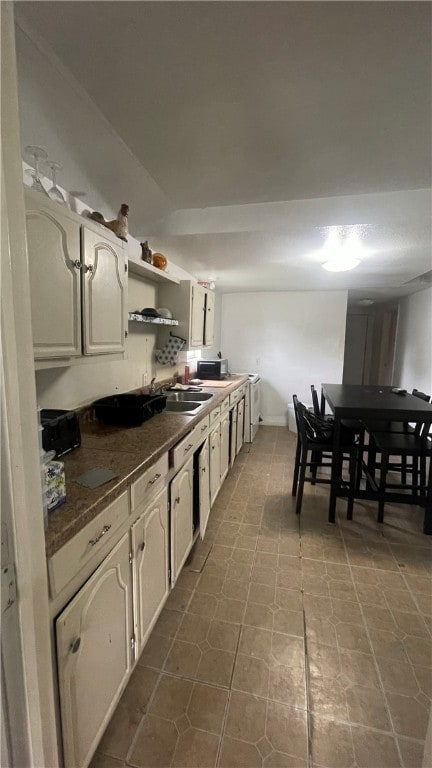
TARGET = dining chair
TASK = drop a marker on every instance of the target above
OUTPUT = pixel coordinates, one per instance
(315, 452)
(415, 446)
(353, 425)
(395, 428)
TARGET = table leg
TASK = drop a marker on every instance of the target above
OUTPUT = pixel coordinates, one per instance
(335, 472)
(427, 522)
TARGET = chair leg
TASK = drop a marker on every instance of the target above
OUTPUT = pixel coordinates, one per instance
(296, 468)
(404, 470)
(303, 462)
(316, 458)
(360, 452)
(415, 475)
(383, 479)
(371, 462)
(352, 482)
(422, 479)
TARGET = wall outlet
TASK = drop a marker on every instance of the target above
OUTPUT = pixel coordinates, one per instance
(145, 379)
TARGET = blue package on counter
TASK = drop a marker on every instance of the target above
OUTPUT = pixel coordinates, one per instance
(54, 484)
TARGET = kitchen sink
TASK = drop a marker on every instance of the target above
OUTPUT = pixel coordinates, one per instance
(187, 396)
(182, 406)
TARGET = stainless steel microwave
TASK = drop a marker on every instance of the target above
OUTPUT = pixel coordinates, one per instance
(212, 369)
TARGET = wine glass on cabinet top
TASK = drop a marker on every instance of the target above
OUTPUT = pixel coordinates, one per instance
(37, 154)
(55, 193)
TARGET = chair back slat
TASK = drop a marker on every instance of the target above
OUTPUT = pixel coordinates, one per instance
(315, 402)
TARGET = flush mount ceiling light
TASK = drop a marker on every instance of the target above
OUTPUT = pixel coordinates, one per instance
(365, 302)
(342, 255)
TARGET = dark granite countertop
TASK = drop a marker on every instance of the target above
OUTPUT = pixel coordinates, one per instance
(128, 451)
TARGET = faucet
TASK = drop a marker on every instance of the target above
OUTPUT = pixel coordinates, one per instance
(153, 389)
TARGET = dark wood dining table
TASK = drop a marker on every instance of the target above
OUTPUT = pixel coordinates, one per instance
(367, 403)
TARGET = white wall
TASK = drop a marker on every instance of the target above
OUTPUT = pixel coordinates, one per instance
(292, 339)
(56, 113)
(413, 355)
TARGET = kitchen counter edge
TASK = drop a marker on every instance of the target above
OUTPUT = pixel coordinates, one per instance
(154, 438)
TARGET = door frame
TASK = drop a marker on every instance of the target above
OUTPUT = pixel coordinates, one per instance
(30, 695)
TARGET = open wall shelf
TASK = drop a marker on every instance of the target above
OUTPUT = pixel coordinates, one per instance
(136, 318)
(149, 272)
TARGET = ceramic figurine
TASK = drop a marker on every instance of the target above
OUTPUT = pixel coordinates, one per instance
(120, 225)
(146, 253)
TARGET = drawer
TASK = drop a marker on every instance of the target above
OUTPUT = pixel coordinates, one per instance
(202, 428)
(234, 397)
(214, 415)
(187, 446)
(150, 483)
(183, 450)
(225, 406)
(79, 551)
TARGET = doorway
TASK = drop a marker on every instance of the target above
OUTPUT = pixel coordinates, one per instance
(370, 338)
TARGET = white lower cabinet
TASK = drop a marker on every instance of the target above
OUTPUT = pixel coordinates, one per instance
(204, 487)
(224, 446)
(240, 425)
(181, 515)
(106, 623)
(94, 654)
(150, 551)
(214, 460)
(233, 434)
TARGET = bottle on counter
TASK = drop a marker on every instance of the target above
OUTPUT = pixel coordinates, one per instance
(186, 374)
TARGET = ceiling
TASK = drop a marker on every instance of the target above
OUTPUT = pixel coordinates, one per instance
(234, 108)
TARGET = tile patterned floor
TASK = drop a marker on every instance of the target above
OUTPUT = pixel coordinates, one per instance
(287, 642)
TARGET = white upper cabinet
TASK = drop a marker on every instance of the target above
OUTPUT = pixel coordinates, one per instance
(104, 294)
(197, 320)
(193, 306)
(78, 283)
(53, 240)
(209, 322)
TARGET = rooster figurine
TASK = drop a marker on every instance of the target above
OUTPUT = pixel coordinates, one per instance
(119, 225)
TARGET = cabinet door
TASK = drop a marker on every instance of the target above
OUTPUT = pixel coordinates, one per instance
(224, 447)
(233, 434)
(104, 294)
(53, 241)
(181, 505)
(150, 558)
(204, 487)
(240, 424)
(197, 315)
(209, 319)
(94, 655)
(214, 464)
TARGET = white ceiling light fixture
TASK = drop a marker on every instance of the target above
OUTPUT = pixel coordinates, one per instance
(342, 255)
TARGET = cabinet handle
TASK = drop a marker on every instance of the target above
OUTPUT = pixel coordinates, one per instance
(77, 264)
(142, 546)
(203, 429)
(188, 447)
(104, 530)
(75, 644)
(89, 268)
(156, 477)
(177, 500)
